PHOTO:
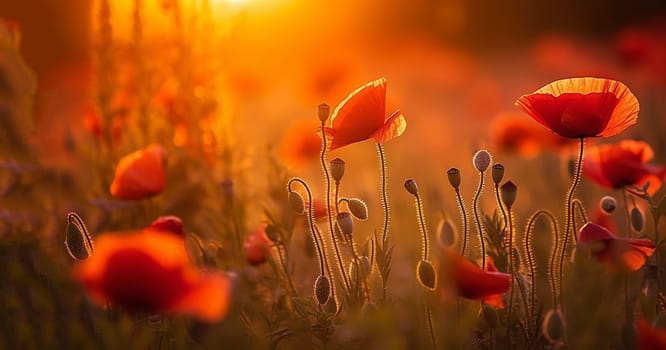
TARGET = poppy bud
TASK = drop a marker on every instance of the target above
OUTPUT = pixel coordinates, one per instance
(553, 326)
(508, 193)
(425, 275)
(77, 239)
(256, 247)
(296, 202)
(454, 177)
(410, 186)
(345, 223)
(637, 219)
(169, 223)
(358, 208)
(323, 111)
(273, 233)
(481, 160)
(498, 173)
(446, 235)
(608, 204)
(322, 289)
(337, 169)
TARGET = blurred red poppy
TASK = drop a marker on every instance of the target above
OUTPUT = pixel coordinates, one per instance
(140, 174)
(170, 223)
(648, 338)
(472, 282)
(256, 247)
(362, 116)
(582, 107)
(319, 209)
(623, 164)
(514, 134)
(617, 252)
(150, 271)
(301, 144)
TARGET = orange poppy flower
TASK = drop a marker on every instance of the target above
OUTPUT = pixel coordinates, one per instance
(140, 174)
(170, 223)
(582, 107)
(648, 338)
(623, 164)
(471, 282)
(150, 271)
(256, 246)
(301, 144)
(515, 134)
(362, 116)
(617, 252)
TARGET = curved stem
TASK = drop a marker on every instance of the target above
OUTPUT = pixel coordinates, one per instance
(530, 256)
(284, 267)
(313, 231)
(463, 213)
(423, 227)
(384, 190)
(322, 157)
(477, 219)
(499, 204)
(569, 218)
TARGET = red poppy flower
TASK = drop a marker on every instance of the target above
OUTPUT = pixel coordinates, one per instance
(623, 164)
(648, 338)
(617, 252)
(256, 247)
(362, 116)
(170, 223)
(471, 282)
(150, 271)
(301, 144)
(320, 209)
(582, 107)
(513, 133)
(140, 174)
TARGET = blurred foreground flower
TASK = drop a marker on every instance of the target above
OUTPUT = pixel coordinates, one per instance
(150, 271)
(623, 164)
(170, 223)
(618, 252)
(140, 174)
(515, 134)
(463, 278)
(649, 338)
(301, 144)
(582, 107)
(362, 116)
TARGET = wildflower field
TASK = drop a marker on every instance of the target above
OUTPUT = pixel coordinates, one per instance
(288, 174)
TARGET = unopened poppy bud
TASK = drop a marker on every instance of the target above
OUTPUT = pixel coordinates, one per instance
(322, 289)
(273, 233)
(454, 177)
(323, 111)
(410, 186)
(488, 315)
(481, 160)
(553, 326)
(446, 235)
(498, 173)
(78, 242)
(337, 169)
(169, 223)
(296, 202)
(345, 223)
(358, 208)
(425, 275)
(508, 193)
(608, 204)
(637, 219)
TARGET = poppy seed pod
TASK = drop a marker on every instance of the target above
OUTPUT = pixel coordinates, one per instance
(272, 232)
(425, 275)
(358, 208)
(481, 160)
(337, 169)
(345, 223)
(323, 111)
(498, 173)
(553, 326)
(454, 177)
(508, 193)
(410, 186)
(637, 219)
(77, 239)
(296, 202)
(446, 234)
(322, 289)
(608, 204)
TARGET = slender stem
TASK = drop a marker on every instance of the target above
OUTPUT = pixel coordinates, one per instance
(331, 231)
(431, 328)
(284, 266)
(627, 215)
(530, 257)
(578, 205)
(463, 213)
(569, 217)
(477, 219)
(657, 242)
(499, 204)
(513, 278)
(337, 193)
(313, 231)
(423, 227)
(384, 190)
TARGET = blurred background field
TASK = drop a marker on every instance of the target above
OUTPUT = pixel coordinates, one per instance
(231, 89)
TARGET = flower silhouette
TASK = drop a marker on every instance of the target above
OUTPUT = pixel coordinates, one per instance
(623, 164)
(582, 107)
(140, 174)
(150, 271)
(362, 116)
(617, 252)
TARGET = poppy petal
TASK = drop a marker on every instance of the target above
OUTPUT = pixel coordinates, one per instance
(591, 232)
(208, 298)
(649, 338)
(394, 127)
(140, 174)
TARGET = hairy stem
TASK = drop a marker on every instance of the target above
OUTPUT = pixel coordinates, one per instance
(477, 219)
(431, 328)
(423, 227)
(463, 213)
(313, 230)
(513, 278)
(384, 190)
(500, 206)
(530, 256)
